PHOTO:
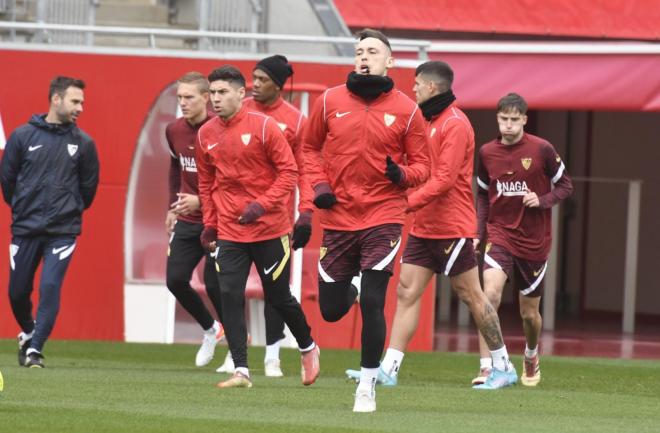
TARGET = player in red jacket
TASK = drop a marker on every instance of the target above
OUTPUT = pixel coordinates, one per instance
(246, 173)
(356, 141)
(184, 217)
(269, 77)
(445, 223)
(517, 173)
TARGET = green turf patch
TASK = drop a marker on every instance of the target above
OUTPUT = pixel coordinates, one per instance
(118, 387)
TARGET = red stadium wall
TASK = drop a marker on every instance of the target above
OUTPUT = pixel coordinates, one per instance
(120, 92)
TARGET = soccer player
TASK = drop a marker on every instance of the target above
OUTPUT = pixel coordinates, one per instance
(356, 141)
(445, 223)
(49, 175)
(269, 77)
(184, 218)
(246, 174)
(520, 178)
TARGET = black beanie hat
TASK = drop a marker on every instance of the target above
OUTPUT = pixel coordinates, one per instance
(277, 68)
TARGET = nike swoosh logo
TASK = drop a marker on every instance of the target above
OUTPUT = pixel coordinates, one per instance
(211, 146)
(60, 249)
(269, 270)
(393, 243)
(536, 273)
(338, 114)
(448, 249)
(31, 148)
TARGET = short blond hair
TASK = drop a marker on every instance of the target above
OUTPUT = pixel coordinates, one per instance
(196, 78)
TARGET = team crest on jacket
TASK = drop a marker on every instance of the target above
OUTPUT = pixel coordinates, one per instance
(526, 163)
(389, 119)
(72, 148)
(245, 138)
(281, 125)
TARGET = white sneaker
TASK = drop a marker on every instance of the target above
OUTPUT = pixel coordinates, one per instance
(365, 401)
(207, 349)
(272, 368)
(227, 366)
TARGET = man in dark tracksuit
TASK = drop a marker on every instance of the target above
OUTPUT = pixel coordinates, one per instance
(49, 175)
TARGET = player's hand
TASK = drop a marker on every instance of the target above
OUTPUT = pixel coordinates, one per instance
(393, 172)
(251, 213)
(170, 220)
(186, 204)
(302, 230)
(324, 198)
(531, 199)
(208, 238)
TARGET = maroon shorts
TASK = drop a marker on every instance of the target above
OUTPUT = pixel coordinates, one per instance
(526, 274)
(344, 254)
(444, 256)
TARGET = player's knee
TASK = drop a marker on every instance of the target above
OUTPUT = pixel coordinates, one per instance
(231, 295)
(371, 303)
(331, 313)
(175, 284)
(278, 296)
(335, 299)
(529, 314)
(494, 296)
(406, 294)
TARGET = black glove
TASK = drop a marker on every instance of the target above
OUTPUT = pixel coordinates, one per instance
(251, 213)
(323, 196)
(208, 238)
(394, 172)
(302, 230)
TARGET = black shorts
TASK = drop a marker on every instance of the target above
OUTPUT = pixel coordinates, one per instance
(345, 253)
(528, 273)
(444, 256)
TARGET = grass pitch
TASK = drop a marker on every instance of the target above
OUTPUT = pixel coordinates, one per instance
(117, 387)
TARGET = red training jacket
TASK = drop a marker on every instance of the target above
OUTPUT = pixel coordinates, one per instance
(445, 204)
(241, 160)
(346, 142)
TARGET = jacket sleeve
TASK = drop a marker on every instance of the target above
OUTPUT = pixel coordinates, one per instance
(304, 185)
(556, 171)
(174, 175)
(88, 174)
(205, 182)
(280, 155)
(10, 167)
(417, 152)
(448, 152)
(483, 204)
(313, 140)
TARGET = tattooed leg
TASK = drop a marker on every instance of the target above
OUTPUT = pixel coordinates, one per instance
(468, 289)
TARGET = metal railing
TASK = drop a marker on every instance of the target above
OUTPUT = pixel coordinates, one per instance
(420, 46)
(232, 16)
(66, 12)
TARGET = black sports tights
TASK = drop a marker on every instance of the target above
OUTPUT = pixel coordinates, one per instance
(336, 299)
